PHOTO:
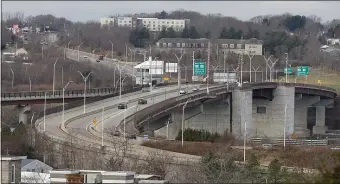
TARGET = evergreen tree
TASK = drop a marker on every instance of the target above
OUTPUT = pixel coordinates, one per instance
(274, 171)
(171, 33)
(253, 168)
(193, 34)
(185, 33)
(224, 33)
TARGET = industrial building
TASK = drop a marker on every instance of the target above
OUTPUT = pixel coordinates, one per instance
(149, 70)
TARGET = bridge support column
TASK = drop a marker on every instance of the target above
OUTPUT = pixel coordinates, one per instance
(320, 127)
(242, 113)
(300, 115)
(23, 111)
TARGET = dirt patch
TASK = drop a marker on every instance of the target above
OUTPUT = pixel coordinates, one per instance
(293, 156)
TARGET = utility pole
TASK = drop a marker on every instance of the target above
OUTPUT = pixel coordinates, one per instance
(266, 60)
(111, 49)
(179, 68)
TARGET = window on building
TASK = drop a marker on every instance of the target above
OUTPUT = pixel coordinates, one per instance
(172, 22)
(42, 170)
(13, 173)
(164, 44)
(168, 22)
(157, 44)
(169, 44)
(145, 22)
(124, 21)
(261, 110)
(183, 44)
(239, 46)
(129, 21)
(178, 44)
(225, 45)
(231, 46)
(33, 170)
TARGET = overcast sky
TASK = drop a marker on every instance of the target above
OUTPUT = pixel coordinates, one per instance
(244, 10)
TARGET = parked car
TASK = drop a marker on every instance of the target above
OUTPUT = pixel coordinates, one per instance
(85, 56)
(336, 148)
(122, 105)
(182, 92)
(195, 89)
(98, 60)
(142, 101)
(267, 146)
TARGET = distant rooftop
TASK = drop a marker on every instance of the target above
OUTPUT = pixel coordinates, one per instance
(8, 158)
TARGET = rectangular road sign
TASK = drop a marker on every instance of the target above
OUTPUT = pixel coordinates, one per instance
(303, 70)
(200, 68)
(288, 70)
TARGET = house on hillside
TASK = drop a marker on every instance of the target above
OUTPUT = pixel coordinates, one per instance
(34, 165)
(22, 53)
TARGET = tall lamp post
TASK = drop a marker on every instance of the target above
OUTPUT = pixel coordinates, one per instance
(111, 49)
(63, 117)
(179, 68)
(12, 77)
(85, 79)
(54, 73)
(250, 58)
(183, 120)
(286, 67)
(78, 50)
(68, 44)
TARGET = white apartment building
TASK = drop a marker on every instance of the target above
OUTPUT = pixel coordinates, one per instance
(155, 24)
(125, 22)
(107, 21)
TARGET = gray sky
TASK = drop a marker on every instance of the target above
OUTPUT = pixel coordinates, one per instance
(244, 10)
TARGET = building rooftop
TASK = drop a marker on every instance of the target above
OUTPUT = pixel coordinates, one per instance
(206, 41)
(8, 158)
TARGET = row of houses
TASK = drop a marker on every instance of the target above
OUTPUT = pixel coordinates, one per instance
(153, 24)
(19, 169)
(252, 46)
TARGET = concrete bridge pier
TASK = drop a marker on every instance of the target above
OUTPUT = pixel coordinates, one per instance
(320, 125)
(300, 114)
(242, 103)
(175, 124)
(23, 112)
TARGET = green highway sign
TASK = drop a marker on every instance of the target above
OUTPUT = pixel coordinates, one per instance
(303, 70)
(288, 70)
(200, 68)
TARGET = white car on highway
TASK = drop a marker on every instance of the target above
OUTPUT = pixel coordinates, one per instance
(336, 148)
(85, 56)
(195, 89)
(182, 92)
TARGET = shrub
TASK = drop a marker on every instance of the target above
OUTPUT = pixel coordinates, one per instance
(197, 135)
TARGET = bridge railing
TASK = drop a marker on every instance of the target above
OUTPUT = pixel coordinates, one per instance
(141, 116)
(261, 84)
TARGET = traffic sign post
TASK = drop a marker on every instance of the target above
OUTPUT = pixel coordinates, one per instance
(288, 70)
(200, 68)
(303, 70)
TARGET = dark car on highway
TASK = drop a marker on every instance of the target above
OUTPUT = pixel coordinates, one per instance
(142, 101)
(122, 106)
(131, 136)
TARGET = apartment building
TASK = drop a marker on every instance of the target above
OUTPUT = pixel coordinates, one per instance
(251, 46)
(155, 24)
(107, 21)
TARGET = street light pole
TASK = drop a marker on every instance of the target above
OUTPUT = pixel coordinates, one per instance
(32, 128)
(250, 58)
(12, 77)
(111, 49)
(68, 44)
(85, 79)
(44, 113)
(103, 126)
(63, 117)
(193, 62)
(78, 50)
(183, 120)
(286, 67)
(54, 73)
(179, 68)
(284, 129)
(29, 78)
